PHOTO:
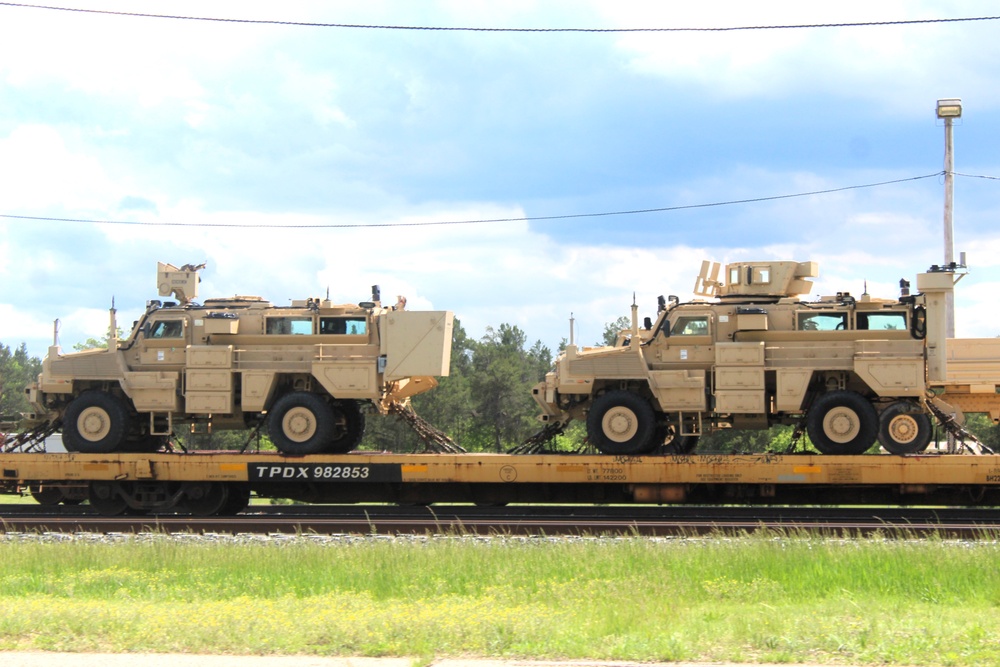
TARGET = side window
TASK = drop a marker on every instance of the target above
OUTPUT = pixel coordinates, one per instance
(882, 321)
(167, 329)
(734, 275)
(690, 325)
(822, 321)
(299, 326)
(761, 275)
(351, 326)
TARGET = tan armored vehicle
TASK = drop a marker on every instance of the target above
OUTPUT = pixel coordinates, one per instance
(753, 354)
(306, 369)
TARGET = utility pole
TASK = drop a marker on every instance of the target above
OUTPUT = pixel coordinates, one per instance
(949, 110)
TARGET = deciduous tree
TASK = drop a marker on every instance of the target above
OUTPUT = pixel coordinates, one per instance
(17, 369)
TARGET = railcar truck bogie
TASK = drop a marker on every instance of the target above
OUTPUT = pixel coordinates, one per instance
(305, 371)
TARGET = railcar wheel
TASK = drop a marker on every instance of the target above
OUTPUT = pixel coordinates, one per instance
(238, 499)
(842, 422)
(301, 423)
(104, 498)
(205, 498)
(621, 422)
(46, 494)
(350, 427)
(904, 428)
(95, 423)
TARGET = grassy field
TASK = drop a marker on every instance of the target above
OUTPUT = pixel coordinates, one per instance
(757, 598)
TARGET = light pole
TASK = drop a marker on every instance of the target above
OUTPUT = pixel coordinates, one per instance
(948, 110)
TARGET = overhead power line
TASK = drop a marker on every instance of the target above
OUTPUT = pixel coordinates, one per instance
(436, 223)
(991, 178)
(365, 26)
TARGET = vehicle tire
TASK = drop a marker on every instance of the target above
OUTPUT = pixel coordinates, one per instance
(904, 428)
(621, 422)
(684, 444)
(842, 422)
(146, 444)
(349, 427)
(95, 422)
(301, 423)
(673, 443)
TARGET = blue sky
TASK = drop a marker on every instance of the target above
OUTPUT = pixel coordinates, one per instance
(206, 123)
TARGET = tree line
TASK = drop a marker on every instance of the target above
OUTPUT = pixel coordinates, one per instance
(485, 403)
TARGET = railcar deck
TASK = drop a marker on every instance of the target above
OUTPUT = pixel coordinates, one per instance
(928, 479)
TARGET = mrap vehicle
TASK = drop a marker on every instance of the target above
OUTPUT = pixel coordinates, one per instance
(231, 363)
(753, 353)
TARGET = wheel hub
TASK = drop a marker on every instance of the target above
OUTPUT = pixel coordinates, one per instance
(904, 429)
(841, 425)
(299, 424)
(620, 424)
(93, 424)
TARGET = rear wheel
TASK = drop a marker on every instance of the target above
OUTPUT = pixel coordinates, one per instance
(349, 427)
(842, 422)
(96, 422)
(683, 444)
(621, 422)
(144, 444)
(301, 423)
(673, 443)
(904, 428)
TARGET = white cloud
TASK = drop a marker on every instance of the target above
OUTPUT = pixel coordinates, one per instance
(38, 169)
(898, 68)
(20, 325)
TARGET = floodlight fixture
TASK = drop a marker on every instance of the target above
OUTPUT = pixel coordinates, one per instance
(949, 108)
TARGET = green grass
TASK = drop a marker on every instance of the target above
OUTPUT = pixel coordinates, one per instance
(14, 499)
(759, 598)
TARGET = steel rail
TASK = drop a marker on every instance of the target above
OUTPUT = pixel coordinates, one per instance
(547, 521)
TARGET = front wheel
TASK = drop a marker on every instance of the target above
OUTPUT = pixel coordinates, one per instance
(842, 422)
(904, 428)
(301, 423)
(95, 422)
(621, 422)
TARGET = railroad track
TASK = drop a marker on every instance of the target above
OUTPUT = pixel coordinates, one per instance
(522, 520)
